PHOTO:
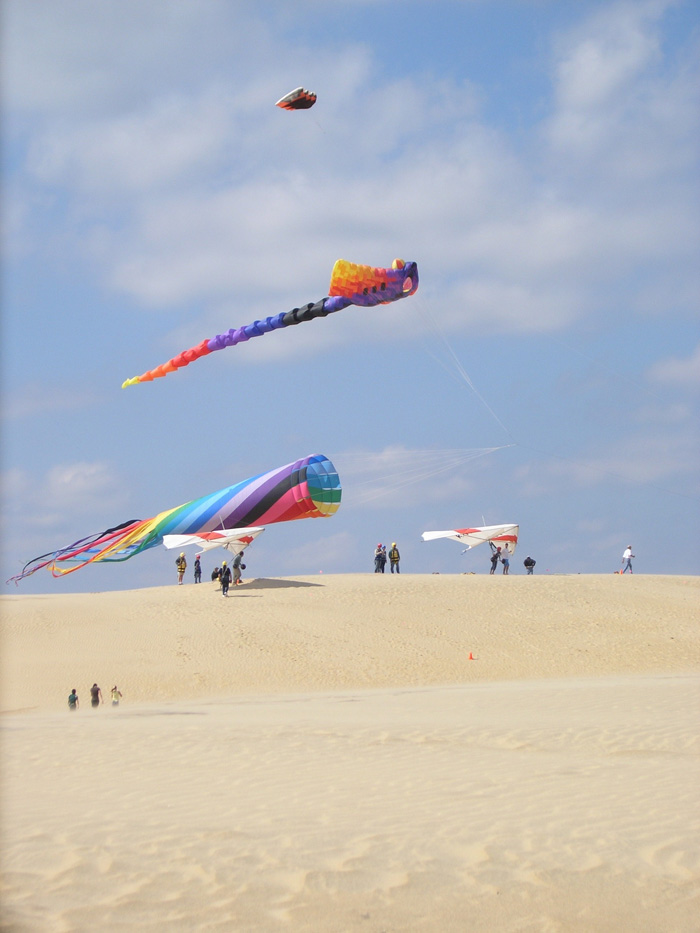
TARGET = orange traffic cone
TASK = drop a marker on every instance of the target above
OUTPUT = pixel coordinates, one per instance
(471, 657)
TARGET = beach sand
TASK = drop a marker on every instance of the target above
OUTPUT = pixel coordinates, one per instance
(355, 752)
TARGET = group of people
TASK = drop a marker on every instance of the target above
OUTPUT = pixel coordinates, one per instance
(95, 697)
(225, 575)
(504, 555)
(380, 558)
(181, 564)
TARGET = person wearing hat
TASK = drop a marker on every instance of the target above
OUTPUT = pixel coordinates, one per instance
(181, 565)
(197, 569)
(225, 578)
(378, 559)
(627, 560)
(394, 557)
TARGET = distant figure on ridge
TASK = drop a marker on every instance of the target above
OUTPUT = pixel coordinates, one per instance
(216, 576)
(529, 564)
(116, 695)
(73, 701)
(382, 559)
(394, 557)
(378, 559)
(495, 556)
(627, 560)
(181, 565)
(95, 695)
(197, 569)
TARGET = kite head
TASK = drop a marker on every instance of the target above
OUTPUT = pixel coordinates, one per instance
(367, 286)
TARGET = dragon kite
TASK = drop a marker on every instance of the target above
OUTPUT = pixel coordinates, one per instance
(351, 284)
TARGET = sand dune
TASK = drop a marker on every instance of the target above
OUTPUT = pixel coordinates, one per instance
(333, 632)
(322, 755)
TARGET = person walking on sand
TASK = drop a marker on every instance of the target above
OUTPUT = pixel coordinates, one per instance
(627, 560)
(529, 564)
(95, 695)
(73, 701)
(116, 695)
(495, 557)
(181, 565)
(225, 578)
(197, 569)
(394, 557)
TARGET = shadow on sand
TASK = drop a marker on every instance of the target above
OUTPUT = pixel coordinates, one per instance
(271, 584)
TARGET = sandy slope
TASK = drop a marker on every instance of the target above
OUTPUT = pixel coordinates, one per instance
(322, 755)
(331, 632)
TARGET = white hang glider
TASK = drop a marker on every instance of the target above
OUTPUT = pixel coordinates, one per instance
(232, 539)
(504, 535)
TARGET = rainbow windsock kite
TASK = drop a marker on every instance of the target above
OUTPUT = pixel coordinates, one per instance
(306, 488)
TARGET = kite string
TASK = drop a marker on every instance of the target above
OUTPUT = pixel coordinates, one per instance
(417, 474)
(421, 305)
(460, 370)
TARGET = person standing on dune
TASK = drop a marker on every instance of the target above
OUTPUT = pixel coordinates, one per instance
(394, 557)
(181, 565)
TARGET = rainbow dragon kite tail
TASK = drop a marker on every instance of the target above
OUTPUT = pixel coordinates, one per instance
(351, 284)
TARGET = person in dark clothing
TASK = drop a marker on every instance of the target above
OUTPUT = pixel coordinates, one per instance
(495, 556)
(95, 695)
(73, 701)
(529, 564)
(197, 569)
(225, 578)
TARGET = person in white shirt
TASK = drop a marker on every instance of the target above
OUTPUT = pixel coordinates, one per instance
(627, 560)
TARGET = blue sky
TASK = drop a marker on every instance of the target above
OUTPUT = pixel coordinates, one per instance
(537, 159)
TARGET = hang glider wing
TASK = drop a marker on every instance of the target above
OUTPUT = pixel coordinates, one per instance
(232, 539)
(472, 537)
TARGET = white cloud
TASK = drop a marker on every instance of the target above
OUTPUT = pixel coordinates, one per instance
(64, 492)
(33, 398)
(684, 373)
(198, 192)
(667, 461)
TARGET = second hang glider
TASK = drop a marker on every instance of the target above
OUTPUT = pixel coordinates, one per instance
(504, 535)
(351, 284)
